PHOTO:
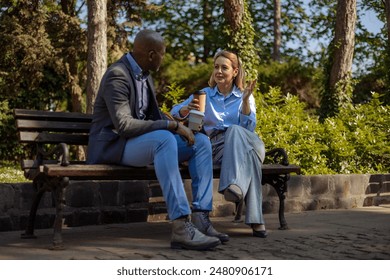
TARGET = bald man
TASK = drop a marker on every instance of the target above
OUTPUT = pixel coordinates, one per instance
(129, 129)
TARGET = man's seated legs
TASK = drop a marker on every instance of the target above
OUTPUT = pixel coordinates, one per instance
(161, 149)
(200, 165)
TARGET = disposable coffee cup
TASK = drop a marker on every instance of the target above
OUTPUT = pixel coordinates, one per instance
(201, 96)
(195, 120)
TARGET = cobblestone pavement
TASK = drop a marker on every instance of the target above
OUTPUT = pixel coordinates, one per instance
(357, 234)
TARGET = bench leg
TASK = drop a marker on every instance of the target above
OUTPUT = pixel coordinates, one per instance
(282, 219)
(29, 232)
(279, 183)
(59, 191)
(238, 214)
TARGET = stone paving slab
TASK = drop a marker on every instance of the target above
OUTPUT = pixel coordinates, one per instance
(354, 234)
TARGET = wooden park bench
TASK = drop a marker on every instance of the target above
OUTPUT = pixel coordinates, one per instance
(51, 169)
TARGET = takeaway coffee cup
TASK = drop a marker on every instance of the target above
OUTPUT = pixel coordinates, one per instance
(201, 96)
(195, 120)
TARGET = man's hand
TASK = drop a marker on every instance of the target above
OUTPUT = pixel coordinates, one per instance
(183, 131)
(186, 133)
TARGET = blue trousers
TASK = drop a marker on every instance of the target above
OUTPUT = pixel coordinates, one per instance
(166, 150)
(241, 153)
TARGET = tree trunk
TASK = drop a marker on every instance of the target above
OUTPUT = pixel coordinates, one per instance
(241, 35)
(234, 11)
(277, 32)
(337, 88)
(387, 12)
(344, 41)
(97, 48)
(207, 29)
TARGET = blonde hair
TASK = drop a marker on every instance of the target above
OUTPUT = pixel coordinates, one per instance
(239, 80)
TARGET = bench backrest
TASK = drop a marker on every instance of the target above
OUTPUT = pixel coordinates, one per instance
(45, 127)
(52, 127)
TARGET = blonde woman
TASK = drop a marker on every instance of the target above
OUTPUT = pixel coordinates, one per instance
(230, 121)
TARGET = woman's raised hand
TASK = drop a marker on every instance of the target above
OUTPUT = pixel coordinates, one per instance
(248, 91)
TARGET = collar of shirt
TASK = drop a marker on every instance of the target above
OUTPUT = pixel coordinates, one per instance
(139, 74)
(235, 91)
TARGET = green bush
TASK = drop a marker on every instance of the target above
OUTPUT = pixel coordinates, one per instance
(180, 79)
(10, 149)
(361, 138)
(356, 140)
(283, 122)
(175, 95)
(11, 173)
(190, 76)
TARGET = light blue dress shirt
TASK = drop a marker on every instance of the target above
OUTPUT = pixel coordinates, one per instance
(222, 112)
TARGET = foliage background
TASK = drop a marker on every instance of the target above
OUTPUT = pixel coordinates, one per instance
(43, 62)
(355, 141)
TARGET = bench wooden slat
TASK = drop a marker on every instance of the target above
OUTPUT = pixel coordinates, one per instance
(136, 173)
(99, 171)
(280, 169)
(48, 115)
(52, 138)
(45, 125)
(31, 163)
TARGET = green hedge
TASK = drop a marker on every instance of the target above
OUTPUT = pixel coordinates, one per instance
(11, 173)
(354, 141)
(357, 140)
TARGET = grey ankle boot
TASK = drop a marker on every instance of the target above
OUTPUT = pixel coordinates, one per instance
(186, 236)
(202, 222)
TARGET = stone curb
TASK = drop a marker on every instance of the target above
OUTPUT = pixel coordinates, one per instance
(105, 202)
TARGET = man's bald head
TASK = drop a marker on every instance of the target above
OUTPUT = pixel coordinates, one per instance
(147, 39)
(148, 50)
